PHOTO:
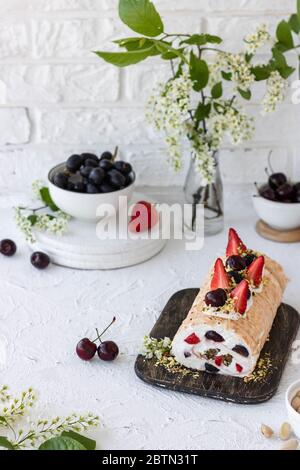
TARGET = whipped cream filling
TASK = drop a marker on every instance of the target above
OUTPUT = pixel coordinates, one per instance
(193, 355)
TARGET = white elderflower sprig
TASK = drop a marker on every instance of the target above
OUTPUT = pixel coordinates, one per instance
(158, 348)
(45, 429)
(37, 185)
(240, 69)
(24, 224)
(240, 126)
(216, 67)
(15, 408)
(167, 110)
(257, 39)
(4, 394)
(26, 218)
(276, 87)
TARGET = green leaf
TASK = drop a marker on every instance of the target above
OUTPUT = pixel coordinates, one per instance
(298, 9)
(141, 16)
(170, 55)
(246, 94)
(32, 219)
(202, 111)
(261, 72)
(279, 62)
(199, 72)
(284, 34)
(165, 48)
(123, 59)
(213, 39)
(88, 444)
(227, 76)
(61, 443)
(134, 44)
(46, 198)
(4, 442)
(217, 91)
(201, 39)
(294, 23)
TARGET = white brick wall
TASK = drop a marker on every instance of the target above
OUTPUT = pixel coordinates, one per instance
(56, 97)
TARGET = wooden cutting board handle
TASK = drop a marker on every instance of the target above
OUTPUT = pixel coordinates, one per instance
(287, 236)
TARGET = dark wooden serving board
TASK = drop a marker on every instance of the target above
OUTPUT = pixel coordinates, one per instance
(221, 387)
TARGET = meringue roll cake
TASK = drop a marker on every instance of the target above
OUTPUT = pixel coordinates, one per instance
(231, 318)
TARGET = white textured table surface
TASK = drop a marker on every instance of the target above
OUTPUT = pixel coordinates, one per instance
(44, 314)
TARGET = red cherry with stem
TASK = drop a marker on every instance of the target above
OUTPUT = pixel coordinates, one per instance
(107, 350)
(86, 349)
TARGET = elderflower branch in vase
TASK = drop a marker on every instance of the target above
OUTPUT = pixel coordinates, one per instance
(201, 103)
(44, 434)
(28, 218)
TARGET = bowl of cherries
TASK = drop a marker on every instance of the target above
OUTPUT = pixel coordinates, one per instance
(84, 182)
(278, 202)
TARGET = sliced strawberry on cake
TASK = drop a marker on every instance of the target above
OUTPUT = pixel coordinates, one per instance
(235, 245)
(220, 277)
(255, 271)
(240, 296)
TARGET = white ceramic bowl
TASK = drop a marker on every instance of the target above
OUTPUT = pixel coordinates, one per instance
(84, 206)
(294, 417)
(278, 215)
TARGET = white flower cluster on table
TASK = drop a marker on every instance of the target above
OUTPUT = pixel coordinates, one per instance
(12, 409)
(157, 348)
(56, 223)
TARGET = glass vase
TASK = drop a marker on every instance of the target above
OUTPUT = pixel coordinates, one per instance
(209, 195)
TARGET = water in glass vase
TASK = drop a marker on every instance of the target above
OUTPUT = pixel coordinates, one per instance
(209, 195)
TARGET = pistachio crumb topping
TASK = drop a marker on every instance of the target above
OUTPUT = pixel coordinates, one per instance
(262, 370)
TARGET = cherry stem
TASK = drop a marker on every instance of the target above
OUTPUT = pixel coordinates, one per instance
(115, 153)
(269, 160)
(267, 171)
(98, 335)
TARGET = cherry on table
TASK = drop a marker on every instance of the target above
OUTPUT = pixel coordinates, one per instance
(86, 349)
(8, 247)
(108, 351)
(40, 260)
